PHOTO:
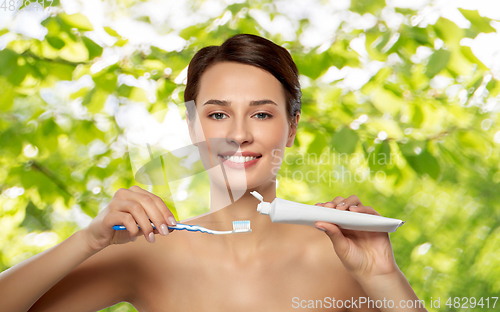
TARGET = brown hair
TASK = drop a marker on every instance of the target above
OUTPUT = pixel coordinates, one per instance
(252, 50)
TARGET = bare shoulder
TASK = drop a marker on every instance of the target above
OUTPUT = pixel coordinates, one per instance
(106, 277)
(320, 255)
(160, 268)
(166, 253)
(316, 244)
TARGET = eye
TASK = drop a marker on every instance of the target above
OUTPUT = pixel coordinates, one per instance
(263, 115)
(216, 116)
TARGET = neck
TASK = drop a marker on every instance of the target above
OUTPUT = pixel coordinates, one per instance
(264, 232)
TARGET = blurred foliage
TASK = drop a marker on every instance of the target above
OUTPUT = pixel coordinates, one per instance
(63, 153)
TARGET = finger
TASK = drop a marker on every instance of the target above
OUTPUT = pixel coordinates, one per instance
(167, 214)
(339, 241)
(337, 200)
(333, 203)
(139, 213)
(130, 223)
(352, 200)
(364, 209)
(152, 210)
(122, 218)
(329, 205)
(127, 220)
(160, 204)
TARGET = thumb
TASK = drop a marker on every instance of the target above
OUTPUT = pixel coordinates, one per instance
(339, 241)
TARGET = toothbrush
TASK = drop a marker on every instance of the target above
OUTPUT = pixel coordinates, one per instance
(238, 227)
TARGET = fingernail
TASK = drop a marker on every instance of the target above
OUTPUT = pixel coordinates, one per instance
(321, 228)
(151, 237)
(133, 239)
(164, 229)
(171, 220)
(353, 206)
(340, 204)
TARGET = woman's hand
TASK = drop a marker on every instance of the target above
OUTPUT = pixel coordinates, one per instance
(129, 207)
(364, 254)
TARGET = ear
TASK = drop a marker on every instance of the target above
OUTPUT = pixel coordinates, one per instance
(292, 131)
(192, 134)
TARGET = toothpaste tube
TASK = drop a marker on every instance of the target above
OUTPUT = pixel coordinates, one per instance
(286, 211)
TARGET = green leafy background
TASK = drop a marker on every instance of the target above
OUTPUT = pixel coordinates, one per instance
(425, 120)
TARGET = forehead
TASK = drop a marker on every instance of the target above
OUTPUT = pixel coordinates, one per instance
(235, 81)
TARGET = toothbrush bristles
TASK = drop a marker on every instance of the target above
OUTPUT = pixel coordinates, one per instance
(241, 225)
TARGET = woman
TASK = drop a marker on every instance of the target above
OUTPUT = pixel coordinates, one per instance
(246, 91)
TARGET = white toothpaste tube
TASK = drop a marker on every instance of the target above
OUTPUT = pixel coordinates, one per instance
(286, 211)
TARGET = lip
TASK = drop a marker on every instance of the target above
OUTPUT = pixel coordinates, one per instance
(235, 165)
(245, 154)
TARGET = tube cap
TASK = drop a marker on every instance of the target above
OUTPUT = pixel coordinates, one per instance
(263, 207)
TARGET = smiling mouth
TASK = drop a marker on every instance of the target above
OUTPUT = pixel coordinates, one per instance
(240, 159)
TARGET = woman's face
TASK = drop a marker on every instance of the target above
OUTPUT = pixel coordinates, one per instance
(243, 108)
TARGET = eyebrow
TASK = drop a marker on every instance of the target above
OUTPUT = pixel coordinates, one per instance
(228, 103)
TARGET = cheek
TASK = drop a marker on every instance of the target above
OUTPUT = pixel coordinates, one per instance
(201, 134)
(273, 142)
(273, 135)
(212, 129)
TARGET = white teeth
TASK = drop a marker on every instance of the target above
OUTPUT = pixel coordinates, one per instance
(239, 159)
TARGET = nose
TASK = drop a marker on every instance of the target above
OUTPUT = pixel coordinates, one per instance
(239, 132)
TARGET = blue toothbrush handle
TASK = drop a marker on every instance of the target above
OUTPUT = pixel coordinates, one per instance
(119, 227)
(122, 227)
(187, 227)
(179, 226)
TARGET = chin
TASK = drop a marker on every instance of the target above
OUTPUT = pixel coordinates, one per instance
(239, 180)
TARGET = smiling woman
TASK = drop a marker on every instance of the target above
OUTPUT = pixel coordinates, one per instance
(242, 104)
(247, 100)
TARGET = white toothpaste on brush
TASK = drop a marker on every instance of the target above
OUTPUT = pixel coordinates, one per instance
(286, 211)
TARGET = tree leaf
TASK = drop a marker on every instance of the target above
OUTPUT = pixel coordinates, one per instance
(380, 157)
(366, 6)
(95, 50)
(482, 24)
(111, 31)
(106, 80)
(345, 140)
(59, 70)
(437, 62)
(55, 42)
(7, 95)
(95, 100)
(448, 31)
(493, 86)
(424, 163)
(36, 219)
(418, 116)
(17, 77)
(317, 145)
(8, 62)
(467, 52)
(77, 20)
